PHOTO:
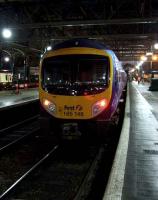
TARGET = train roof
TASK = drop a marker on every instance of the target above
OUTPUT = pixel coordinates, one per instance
(80, 43)
(5, 71)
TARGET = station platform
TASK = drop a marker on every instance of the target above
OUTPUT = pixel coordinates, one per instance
(134, 174)
(11, 98)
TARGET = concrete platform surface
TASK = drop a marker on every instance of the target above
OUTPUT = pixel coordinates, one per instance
(9, 98)
(150, 96)
(134, 174)
(141, 173)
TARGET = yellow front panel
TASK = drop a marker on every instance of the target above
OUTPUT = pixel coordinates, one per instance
(74, 107)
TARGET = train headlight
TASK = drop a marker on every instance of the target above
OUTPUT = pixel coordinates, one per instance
(50, 106)
(99, 106)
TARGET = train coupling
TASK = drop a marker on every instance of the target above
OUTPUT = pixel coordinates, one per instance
(70, 131)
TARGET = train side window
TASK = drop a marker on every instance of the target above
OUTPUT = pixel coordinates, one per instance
(116, 78)
(6, 77)
(10, 78)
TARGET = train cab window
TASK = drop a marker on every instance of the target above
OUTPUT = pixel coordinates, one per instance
(79, 73)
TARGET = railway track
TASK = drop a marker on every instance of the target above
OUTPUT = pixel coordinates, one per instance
(21, 153)
(16, 113)
(27, 173)
(16, 133)
(59, 174)
(40, 169)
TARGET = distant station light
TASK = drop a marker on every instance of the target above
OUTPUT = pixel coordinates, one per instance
(6, 33)
(132, 70)
(149, 53)
(5, 70)
(156, 45)
(6, 59)
(143, 58)
(139, 64)
(49, 48)
(154, 57)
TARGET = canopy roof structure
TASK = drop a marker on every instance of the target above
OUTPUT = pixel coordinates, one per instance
(128, 27)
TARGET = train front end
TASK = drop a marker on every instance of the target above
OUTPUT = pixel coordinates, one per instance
(75, 90)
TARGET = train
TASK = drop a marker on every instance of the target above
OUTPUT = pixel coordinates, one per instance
(81, 84)
(5, 79)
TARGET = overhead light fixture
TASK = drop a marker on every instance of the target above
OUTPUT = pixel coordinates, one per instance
(6, 59)
(149, 53)
(154, 57)
(6, 33)
(132, 70)
(143, 58)
(139, 64)
(49, 48)
(5, 70)
(156, 45)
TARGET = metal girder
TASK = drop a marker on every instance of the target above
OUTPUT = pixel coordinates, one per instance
(26, 48)
(4, 1)
(20, 47)
(138, 39)
(153, 20)
(125, 26)
(110, 36)
(117, 42)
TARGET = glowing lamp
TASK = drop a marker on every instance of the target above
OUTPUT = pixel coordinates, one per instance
(49, 106)
(154, 57)
(103, 103)
(46, 102)
(6, 33)
(99, 106)
(143, 58)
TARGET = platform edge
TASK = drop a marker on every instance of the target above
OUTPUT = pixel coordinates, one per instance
(114, 187)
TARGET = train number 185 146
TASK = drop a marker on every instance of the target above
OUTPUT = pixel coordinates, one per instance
(74, 114)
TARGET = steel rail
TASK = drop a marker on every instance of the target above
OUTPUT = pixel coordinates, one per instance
(18, 140)
(89, 177)
(18, 124)
(12, 187)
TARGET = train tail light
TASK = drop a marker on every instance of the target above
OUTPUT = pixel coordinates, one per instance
(49, 106)
(99, 106)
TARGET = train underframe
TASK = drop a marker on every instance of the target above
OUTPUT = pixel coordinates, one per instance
(95, 129)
